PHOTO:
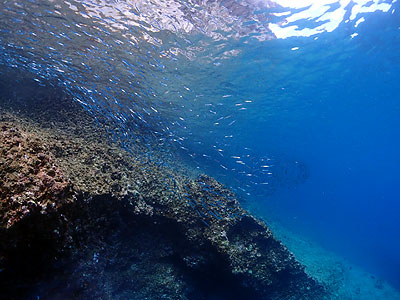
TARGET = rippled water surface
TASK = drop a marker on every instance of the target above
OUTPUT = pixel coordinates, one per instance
(293, 104)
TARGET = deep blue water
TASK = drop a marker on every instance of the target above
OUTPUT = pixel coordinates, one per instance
(339, 115)
(347, 133)
(307, 127)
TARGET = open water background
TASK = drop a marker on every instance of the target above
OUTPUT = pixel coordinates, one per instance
(306, 126)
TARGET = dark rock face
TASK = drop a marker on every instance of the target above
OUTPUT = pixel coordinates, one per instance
(81, 219)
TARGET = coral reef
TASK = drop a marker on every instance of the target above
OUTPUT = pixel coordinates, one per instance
(30, 179)
(83, 219)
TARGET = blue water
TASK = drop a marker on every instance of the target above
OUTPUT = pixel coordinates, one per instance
(307, 126)
(338, 113)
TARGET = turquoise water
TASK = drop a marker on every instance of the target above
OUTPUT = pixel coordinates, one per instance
(295, 108)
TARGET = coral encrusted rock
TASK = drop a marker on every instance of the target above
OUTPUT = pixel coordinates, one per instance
(84, 219)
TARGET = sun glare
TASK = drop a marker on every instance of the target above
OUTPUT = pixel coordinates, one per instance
(326, 18)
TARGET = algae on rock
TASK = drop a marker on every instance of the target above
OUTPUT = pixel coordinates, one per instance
(83, 219)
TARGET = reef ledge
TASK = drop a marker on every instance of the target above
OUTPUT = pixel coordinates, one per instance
(83, 219)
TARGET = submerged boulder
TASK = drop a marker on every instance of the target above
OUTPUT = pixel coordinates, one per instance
(83, 219)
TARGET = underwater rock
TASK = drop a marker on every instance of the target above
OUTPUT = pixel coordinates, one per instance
(31, 182)
(33, 191)
(83, 219)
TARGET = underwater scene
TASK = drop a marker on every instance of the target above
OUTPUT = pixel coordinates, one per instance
(200, 149)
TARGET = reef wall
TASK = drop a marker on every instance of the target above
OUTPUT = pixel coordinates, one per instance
(81, 218)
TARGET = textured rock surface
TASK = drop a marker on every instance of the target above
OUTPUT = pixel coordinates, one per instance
(30, 179)
(82, 219)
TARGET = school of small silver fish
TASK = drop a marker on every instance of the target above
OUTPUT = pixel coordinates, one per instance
(132, 62)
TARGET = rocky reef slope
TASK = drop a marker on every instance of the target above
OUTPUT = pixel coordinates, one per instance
(80, 218)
